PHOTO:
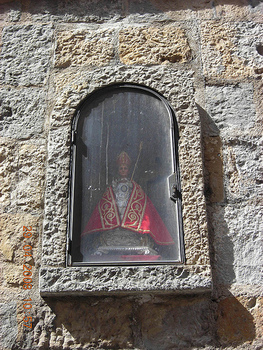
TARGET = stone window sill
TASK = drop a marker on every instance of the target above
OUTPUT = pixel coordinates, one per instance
(125, 279)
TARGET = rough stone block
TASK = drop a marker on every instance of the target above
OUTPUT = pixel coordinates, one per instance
(22, 112)
(229, 50)
(129, 280)
(107, 324)
(237, 242)
(231, 108)
(194, 208)
(22, 171)
(235, 323)
(153, 45)
(186, 321)
(84, 48)
(243, 170)
(8, 325)
(13, 239)
(26, 54)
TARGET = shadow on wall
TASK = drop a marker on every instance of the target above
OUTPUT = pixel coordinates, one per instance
(149, 323)
(74, 9)
(221, 246)
(234, 323)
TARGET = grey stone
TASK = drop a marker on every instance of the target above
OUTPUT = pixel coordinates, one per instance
(238, 244)
(125, 279)
(14, 15)
(243, 161)
(231, 107)
(8, 325)
(26, 54)
(22, 112)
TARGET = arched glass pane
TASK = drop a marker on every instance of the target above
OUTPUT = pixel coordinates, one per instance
(124, 156)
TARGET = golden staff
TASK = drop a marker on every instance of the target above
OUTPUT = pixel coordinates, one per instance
(135, 166)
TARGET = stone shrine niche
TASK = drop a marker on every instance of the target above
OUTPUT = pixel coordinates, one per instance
(125, 203)
(107, 130)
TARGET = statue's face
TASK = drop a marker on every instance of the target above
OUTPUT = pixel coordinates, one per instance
(123, 170)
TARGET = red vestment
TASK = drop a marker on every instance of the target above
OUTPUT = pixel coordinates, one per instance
(140, 216)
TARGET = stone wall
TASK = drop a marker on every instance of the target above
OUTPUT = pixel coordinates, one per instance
(48, 46)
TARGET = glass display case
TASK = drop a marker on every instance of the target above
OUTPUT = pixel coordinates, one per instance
(125, 204)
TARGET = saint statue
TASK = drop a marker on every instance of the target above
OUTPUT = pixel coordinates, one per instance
(124, 226)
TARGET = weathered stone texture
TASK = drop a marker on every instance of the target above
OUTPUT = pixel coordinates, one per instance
(243, 170)
(26, 54)
(213, 158)
(236, 10)
(235, 323)
(116, 280)
(8, 325)
(81, 10)
(186, 9)
(231, 108)
(169, 328)
(237, 243)
(22, 112)
(10, 10)
(153, 45)
(22, 171)
(175, 47)
(84, 48)
(194, 210)
(12, 238)
(229, 50)
(7, 174)
(107, 324)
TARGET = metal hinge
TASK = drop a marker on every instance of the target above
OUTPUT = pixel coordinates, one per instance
(173, 188)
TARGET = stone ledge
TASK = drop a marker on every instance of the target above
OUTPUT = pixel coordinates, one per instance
(80, 281)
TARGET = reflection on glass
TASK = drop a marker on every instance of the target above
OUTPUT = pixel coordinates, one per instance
(123, 158)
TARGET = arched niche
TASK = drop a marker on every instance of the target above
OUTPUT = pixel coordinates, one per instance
(125, 203)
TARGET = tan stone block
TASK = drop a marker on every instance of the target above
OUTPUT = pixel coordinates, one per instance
(228, 49)
(13, 275)
(235, 323)
(84, 48)
(14, 237)
(63, 78)
(214, 166)
(153, 45)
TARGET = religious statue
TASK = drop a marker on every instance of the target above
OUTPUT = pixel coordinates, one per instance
(124, 226)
